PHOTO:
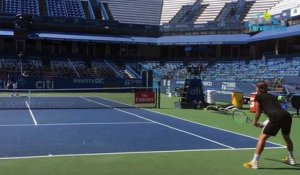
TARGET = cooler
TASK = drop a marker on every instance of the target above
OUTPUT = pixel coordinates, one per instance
(252, 103)
(237, 99)
(210, 96)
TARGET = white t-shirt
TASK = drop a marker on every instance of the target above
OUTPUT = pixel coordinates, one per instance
(15, 85)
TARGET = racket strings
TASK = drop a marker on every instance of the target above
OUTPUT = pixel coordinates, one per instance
(241, 117)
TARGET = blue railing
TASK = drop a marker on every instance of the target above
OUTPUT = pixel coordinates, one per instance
(91, 10)
(114, 69)
(104, 13)
(132, 72)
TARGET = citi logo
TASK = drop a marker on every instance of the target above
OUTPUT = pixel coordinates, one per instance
(45, 84)
(196, 91)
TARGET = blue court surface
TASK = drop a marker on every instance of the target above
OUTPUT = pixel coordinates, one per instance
(66, 132)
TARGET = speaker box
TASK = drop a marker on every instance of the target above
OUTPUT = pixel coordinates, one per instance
(150, 78)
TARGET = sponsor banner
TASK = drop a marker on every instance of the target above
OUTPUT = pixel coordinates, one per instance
(295, 11)
(35, 82)
(133, 83)
(144, 97)
(219, 86)
(207, 84)
(228, 86)
(88, 81)
(179, 82)
(70, 82)
(2, 84)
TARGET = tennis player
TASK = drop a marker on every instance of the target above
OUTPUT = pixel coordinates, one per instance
(12, 84)
(15, 86)
(279, 119)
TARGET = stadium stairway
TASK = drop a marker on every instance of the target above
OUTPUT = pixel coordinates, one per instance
(199, 12)
(43, 8)
(1, 5)
(96, 8)
(86, 10)
(227, 11)
(107, 10)
(181, 14)
(243, 12)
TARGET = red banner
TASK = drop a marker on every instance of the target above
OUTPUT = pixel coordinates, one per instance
(144, 97)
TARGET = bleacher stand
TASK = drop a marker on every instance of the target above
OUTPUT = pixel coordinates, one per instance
(68, 68)
(212, 11)
(20, 7)
(248, 71)
(169, 70)
(55, 8)
(171, 7)
(255, 70)
(101, 69)
(33, 66)
(9, 66)
(284, 5)
(259, 7)
(136, 11)
(65, 8)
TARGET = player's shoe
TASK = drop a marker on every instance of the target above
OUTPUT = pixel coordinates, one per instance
(253, 165)
(289, 160)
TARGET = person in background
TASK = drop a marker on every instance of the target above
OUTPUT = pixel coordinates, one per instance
(9, 83)
(279, 119)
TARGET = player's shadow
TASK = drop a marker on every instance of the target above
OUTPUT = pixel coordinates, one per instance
(291, 167)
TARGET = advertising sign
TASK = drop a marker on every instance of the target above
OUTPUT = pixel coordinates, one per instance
(144, 97)
(295, 11)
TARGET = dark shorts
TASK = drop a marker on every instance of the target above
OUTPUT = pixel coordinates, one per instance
(284, 124)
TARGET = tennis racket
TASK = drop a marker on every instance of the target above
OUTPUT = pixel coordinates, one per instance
(242, 117)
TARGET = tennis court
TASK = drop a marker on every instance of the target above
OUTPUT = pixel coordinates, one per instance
(65, 125)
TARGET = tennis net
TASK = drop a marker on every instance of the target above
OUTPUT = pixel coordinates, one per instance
(132, 97)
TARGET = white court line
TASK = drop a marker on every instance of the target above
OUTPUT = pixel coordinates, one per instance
(129, 153)
(31, 113)
(17, 125)
(283, 146)
(180, 130)
(107, 123)
(75, 124)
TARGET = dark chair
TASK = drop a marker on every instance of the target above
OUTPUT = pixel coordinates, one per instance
(295, 101)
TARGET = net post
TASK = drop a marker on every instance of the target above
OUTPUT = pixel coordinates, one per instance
(29, 96)
(158, 95)
(133, 92)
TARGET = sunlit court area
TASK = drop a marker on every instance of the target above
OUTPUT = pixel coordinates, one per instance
(139, 87)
